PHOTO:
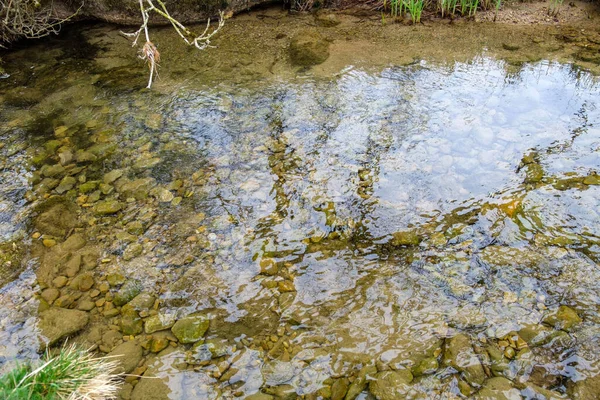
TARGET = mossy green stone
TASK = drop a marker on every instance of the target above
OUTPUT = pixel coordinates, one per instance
(426, 367)
(88, 186)
(112, 176)
(459, 355)
(190, 329)
(52, 171)
(391, 385)
(405, 238)
(107, 207)
(52, 145)
(115, 279)
(66, 184)
(159, 322)
(129, 290)
(131, 323)
(592, 179)
(564, 318)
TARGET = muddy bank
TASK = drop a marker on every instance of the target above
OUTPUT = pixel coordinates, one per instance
(127, 12)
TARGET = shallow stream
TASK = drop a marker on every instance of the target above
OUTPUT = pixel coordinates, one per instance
(416, 224)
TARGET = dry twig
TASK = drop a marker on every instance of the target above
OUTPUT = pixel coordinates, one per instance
(149, 52)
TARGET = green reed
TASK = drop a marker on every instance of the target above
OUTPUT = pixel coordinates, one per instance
(415, 8)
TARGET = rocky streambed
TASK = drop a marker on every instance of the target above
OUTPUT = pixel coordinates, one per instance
(308, 212)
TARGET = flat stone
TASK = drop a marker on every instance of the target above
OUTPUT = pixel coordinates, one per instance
(128, 355)
(86, 282)
(112, 176)
(88, 187)
(268, 266)
(108, 207)
(366, 374)
(498, 388)
(159, 322)
(391, 385)
(131, 323)
(59, 323)
(190, 329)
(50, 295)
(73, 243)
(142, 302)
(86, 305)
(132, 251)
(67, 183)
(405, 238)
(138, 189)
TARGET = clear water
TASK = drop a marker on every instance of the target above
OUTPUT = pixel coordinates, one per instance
(317, 174)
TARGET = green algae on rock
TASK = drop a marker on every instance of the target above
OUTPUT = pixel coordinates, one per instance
(191, 328)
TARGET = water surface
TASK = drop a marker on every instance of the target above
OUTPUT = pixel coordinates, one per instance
(324, 223)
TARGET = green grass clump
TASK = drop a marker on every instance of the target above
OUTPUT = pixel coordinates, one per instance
(73, 374)
(450, 8)
(399, 7)
(415, 8)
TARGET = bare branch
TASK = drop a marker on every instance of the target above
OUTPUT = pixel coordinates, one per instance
(149, 52)
(29, 19)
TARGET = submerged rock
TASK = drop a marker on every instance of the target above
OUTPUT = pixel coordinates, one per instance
(365, 375)
(282, 392)
(327, 20)
(152, 385)
(132, 251)
(426, 366)
(535, 334)
(391, 385)
(59, 323)
(259, 396)
(308, 48)
(564, 318)
(405, 238)
(67, 183)
(127, 292)
(191, 329)
(108, 207)
(592, 179)
(498, 388)
(112, 176)
(128, 355)
(57, 219)
(131, 323)
(459, 355)
(585, 389)
(159, 322)
(138, 189)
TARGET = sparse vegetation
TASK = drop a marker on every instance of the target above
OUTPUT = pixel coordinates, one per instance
(446, 8)
(73, 374)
